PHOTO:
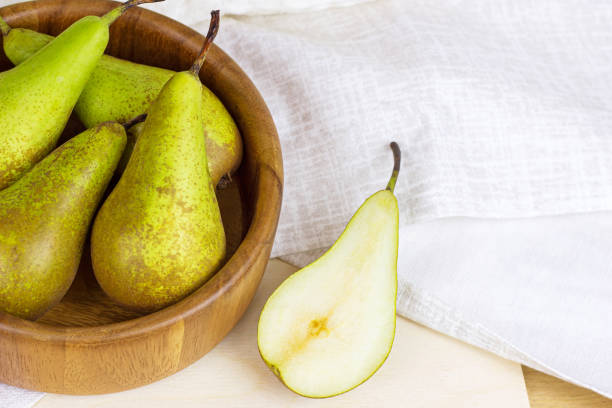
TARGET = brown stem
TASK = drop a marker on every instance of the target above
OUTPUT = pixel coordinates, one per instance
(397, 158)
(212, 33)
(224, 182)
(138, 119)
(115, 13)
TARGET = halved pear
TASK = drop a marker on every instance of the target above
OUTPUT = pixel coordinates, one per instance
(330, 326)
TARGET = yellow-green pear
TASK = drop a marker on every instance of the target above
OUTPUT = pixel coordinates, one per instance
(45, 216)
(120, 90)
(37, 97)
(159, 235)
(329, 326)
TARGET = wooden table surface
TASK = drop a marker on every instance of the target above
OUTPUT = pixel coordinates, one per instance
(425, 369)
(545, 391)
(465, 371)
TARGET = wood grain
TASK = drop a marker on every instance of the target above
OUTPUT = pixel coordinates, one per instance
(424, 370)
(549, 392)
(90, 345)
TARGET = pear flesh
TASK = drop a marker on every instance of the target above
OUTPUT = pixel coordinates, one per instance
(330, 326)
(159, 235)
(45, 216)
(119, 90)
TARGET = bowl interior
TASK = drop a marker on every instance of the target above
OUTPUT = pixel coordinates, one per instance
(85, 304)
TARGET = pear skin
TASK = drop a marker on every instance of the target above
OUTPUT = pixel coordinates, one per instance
(21, 43)
(159, 235)
(45, 216)
(37, 97)
(329, 326)
(119, 90)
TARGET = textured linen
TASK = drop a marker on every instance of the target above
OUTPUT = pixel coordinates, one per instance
(503, 112)
(190, 8)
(535, 290)
(13, 397)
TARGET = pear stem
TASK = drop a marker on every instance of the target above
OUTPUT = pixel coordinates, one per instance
(4, 27)
(397, 159)
(213, 29)
(134, 121)
(115, 13)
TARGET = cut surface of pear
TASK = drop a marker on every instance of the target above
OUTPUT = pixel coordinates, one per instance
(331, 325)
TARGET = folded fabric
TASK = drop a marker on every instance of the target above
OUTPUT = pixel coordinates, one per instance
(502, 109)
(189, 8)
(536, 290)
(13, 397)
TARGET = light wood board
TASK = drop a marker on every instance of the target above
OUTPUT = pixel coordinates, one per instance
(424, 369)
(550, 392)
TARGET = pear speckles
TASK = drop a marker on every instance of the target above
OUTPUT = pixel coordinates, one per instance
(45, 216)
(37, 96)
(159, 235)
(34, 101)
(119, 90)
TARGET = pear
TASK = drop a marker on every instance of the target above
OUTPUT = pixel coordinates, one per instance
(37, 97)
(119, 90)
(328, 327)
(159, 236)
(45, 216)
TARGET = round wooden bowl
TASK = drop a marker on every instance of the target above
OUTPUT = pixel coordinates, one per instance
(90, 345)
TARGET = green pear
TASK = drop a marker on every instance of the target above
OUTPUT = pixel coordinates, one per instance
(45, 216)
(37, 97)
(159, 235)
(329, 326)
(119, 90)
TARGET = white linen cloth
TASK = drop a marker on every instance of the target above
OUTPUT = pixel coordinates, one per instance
(503, 112)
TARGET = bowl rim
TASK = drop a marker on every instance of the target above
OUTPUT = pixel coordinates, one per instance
(266, 161)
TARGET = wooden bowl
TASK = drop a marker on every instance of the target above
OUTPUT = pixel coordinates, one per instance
(90, 345)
